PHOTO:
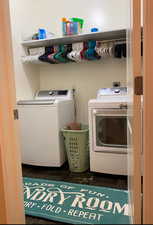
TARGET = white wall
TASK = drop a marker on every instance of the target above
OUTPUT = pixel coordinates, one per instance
(29, 15)
(104, 14)
(86, 78)
(27, 77)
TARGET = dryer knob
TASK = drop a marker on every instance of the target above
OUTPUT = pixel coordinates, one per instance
(117, 91)
(94, 111)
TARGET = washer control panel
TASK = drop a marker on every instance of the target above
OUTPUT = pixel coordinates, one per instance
(53, 94)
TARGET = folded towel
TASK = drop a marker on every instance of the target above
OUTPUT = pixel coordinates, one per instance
(37, 51)
(31, 59)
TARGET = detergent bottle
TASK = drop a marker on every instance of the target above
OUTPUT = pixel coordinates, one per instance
(64, 26)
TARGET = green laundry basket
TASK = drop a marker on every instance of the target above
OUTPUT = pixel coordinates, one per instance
(77, 148)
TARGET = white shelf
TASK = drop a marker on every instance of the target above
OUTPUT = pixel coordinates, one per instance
(108, 35)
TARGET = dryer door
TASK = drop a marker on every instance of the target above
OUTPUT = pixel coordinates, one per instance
(110, 130)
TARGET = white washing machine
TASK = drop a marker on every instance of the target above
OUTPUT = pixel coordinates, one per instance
(41, 120)
(108, 131)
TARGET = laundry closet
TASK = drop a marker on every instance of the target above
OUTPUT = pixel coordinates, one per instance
(104, 24)
(68, 79)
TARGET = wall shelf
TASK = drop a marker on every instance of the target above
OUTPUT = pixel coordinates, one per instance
(108, 35)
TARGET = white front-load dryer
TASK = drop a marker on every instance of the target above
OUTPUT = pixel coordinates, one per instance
(108, 131)
(41, 121)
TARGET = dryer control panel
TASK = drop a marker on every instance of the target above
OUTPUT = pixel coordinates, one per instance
(111, 92)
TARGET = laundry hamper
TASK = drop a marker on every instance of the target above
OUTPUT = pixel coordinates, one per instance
(77, 148)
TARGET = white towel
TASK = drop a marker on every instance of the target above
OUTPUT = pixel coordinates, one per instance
(31, 59)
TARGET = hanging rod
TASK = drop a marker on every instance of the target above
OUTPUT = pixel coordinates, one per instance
(113, 40)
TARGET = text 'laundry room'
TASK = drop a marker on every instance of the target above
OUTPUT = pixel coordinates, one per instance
(70, 61)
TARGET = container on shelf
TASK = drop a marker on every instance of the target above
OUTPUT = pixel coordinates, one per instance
(64, 20)
(42, 34)
(77, 148)
(75, 27)
(80, 23)
(72, 27)
(94, 29)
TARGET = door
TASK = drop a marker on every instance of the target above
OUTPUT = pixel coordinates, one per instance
(142, 161)
(148, 113)
(141, 112)
(135, 111)
(11, 195)
(105, 138)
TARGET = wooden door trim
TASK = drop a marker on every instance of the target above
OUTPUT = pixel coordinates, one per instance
(137, 131)
(11, 193)
(148, 113)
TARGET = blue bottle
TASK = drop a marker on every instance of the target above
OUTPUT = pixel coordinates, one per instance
(42, 34)
(75, 27)
(94, 29)
(64, 26)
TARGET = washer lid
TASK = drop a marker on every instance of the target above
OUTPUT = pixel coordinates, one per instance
(110, 101)
(36, 102)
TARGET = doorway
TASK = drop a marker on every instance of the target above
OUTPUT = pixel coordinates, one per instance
(102, 73)
(27, 169)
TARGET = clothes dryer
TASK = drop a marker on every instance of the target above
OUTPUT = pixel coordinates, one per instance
(108, 131)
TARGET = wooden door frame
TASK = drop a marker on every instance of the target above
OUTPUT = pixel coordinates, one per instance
(137, 128)
(148, 113)
(11, 193)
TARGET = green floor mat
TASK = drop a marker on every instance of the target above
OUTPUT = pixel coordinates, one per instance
(75, 203)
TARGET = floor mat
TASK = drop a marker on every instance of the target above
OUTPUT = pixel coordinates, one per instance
(75, 203)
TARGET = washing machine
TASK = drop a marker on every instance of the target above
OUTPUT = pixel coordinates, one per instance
(40, 123)
(108, 131)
